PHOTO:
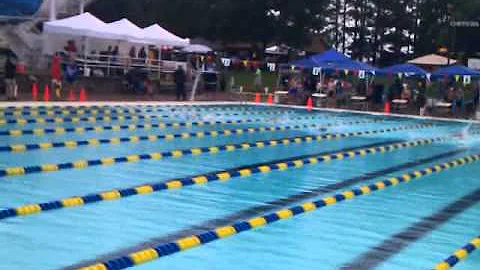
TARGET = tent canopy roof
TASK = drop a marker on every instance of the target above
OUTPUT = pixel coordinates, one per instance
(160, 35)
(432, 60)
(331, 60)
(331, 55)
(408, 69)
(81, 25)
(127, 29)
(455, 70)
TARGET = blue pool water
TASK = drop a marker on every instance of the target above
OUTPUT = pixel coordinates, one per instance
(342, 236)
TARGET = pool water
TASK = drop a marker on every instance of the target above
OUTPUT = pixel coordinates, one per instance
(412, 225)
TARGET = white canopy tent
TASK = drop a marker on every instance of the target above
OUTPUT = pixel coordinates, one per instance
(92, 37)
(128, 31)
(84, 29)
(197, 48)
(81, 25)
(159, 36)
(277, 49)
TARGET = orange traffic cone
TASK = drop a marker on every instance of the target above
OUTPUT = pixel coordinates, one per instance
(35, 91)
(83, 95)
(310, 104)
(387, 108)
(46, 93)
(257, 98)
(270, 99)
(71, 95)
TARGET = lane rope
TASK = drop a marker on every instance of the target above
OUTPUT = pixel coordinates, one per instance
(79, 119)
(459, 255)
(82, 164)
(183, 136)
(118, 128)
(161, 125)
(123, 111)
(201, 179)
(182, 244)
(136, 118)
(100, 114)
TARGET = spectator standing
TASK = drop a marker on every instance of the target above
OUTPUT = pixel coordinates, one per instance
(56, 75)
(10, 81)
(258, 79)
(71, 74)
(180, 79)
(142, 54)
(115, 54)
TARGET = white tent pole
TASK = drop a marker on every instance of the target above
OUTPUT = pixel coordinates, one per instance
(53, 10)
(86, 49)
(82, 6)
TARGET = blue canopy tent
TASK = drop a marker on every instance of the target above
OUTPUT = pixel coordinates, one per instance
(19, 8)
(460, 74)
(331, 60)
(409, 70)
(452, 71)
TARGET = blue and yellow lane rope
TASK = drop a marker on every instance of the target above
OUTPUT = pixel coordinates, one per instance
(158, 251)
(81, 164)
(16, 111)
(131, 118)
(118, 128)
(183, 135)
(459, 255)
(161, 125)
(224, 175)
(90, 119)
(68, 112)
(134, 111)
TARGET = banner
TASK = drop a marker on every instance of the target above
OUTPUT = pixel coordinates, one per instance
(361, 74)
(272, 67)
(226, 62)
(316, 71)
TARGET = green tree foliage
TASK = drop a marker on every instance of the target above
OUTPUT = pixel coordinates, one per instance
(380, 31)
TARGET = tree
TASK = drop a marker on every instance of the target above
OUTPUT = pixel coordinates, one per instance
(379, 31)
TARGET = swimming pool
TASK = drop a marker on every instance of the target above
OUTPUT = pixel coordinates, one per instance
(121, 185)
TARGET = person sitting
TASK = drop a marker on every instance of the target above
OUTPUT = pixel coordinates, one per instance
(406, 93)
(361, 89)
(115, 54)
(340, 93)
(458, 101)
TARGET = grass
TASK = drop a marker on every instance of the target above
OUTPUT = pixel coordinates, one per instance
(247, 78)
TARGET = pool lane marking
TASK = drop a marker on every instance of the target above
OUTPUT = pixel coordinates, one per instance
(119, 118)
(89, 119)
(459, 255)
(107, 161)
(201, 179)
(80, 110)
(69, 112)
(155, 252)
(268, 206)
(122, 117)
(184, 136)
(222, 175)
(388, 248)
(161, 125)
(118, 128)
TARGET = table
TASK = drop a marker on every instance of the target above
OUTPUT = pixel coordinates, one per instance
(278, 94)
